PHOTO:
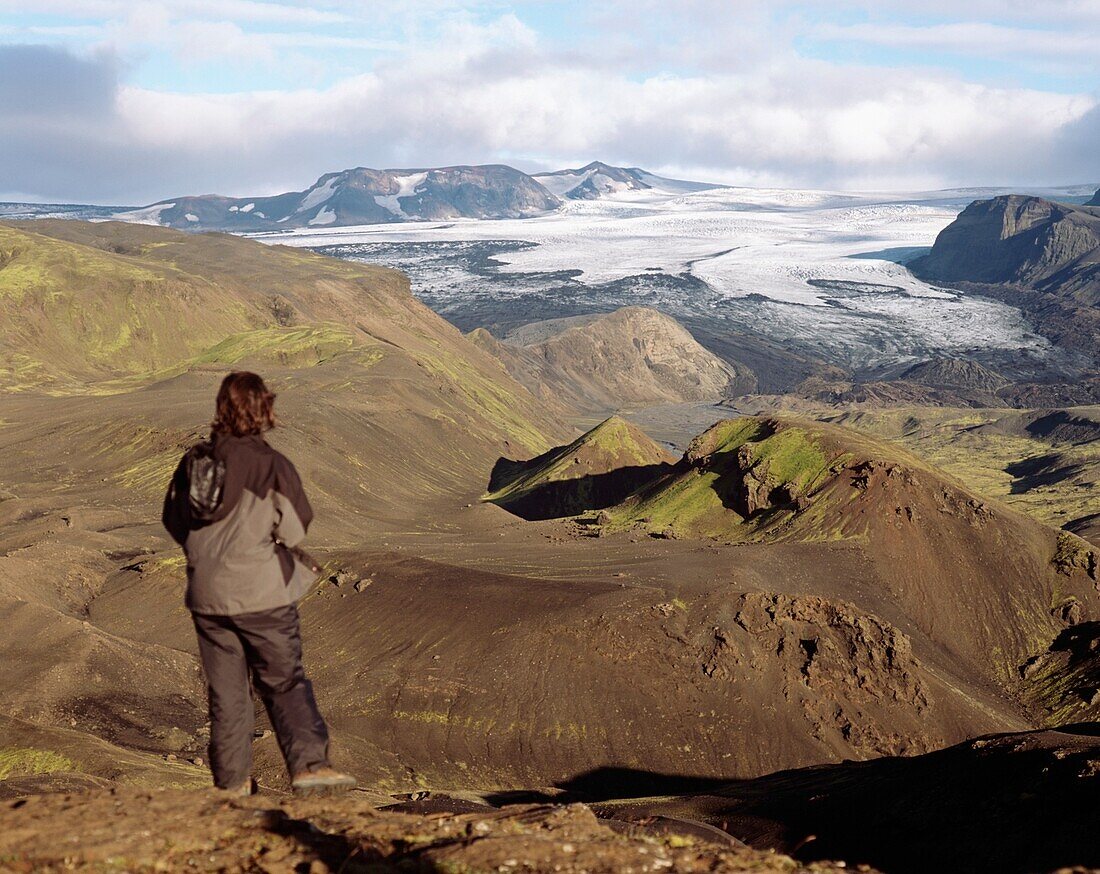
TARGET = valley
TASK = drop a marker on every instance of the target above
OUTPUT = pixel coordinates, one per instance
(827, 531)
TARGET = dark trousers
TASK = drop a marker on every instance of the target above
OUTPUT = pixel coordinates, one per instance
(270, 646)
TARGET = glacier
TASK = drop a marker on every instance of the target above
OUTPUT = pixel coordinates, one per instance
(820, 269)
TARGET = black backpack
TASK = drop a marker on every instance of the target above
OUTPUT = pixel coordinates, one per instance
(206, 480)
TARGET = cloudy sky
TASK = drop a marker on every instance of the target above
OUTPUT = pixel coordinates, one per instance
(131, 101)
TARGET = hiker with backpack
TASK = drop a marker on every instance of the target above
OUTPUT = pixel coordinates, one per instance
(238, 509)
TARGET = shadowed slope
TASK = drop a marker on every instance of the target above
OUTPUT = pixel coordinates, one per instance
(1009, 804)
(596, 470)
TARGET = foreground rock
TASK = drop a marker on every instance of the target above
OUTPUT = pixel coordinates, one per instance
(1019, 803)
(201, 831)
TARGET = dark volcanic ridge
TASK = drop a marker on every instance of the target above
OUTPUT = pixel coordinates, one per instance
(780, 480)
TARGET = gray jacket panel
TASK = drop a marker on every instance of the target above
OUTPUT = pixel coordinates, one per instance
(238, 560)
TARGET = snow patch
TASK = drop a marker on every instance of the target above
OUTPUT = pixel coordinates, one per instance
(233, 209)
(191, 217)
(147, 215)
(248, 207)
(318, 195)
(406, 187)
(325, 216)
(558, 185)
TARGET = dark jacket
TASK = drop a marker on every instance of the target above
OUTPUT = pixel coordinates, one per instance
(238, 560)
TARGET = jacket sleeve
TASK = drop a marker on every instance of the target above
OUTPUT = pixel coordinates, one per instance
(291, 505)
(176, 514)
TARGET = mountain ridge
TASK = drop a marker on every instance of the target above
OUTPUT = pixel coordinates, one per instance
(362, 195)
(597, 179)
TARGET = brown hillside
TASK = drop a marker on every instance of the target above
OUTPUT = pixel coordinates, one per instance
(633, 356)
(935, 546)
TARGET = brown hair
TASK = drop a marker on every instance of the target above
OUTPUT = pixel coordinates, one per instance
(244, 406)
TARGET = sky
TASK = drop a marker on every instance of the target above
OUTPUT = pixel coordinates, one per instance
(126, 102)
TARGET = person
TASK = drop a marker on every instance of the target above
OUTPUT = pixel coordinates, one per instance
(238, 509)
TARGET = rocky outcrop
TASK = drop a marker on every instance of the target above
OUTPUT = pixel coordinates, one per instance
(1095, 199)
(363, 196)
(136, 830)
(1041, 256)
(1019, 240)
(634, 356)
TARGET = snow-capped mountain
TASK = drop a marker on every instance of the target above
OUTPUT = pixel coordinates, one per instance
(598, 180)
(363, 196)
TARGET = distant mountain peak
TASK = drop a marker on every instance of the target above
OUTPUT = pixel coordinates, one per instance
(598, 179)
(362, 195)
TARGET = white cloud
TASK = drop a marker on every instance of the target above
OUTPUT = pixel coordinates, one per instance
(485, 90)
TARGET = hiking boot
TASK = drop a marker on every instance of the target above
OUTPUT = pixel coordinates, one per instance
(244, 790)
(322, 781)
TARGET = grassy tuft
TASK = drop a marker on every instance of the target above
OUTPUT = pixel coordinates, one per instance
(27, 761)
